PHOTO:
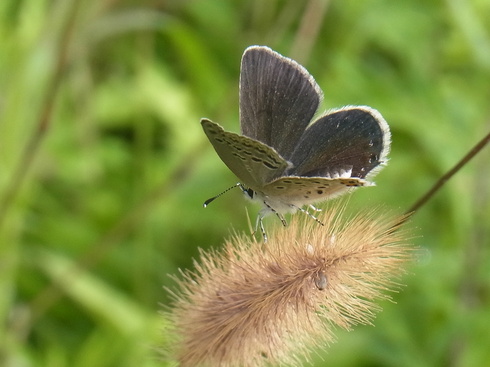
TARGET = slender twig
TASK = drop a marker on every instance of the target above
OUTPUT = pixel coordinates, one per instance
(437, 186)
(27, 157)
(310, 26)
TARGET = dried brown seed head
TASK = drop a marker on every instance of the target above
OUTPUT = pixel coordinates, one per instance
(249, 305)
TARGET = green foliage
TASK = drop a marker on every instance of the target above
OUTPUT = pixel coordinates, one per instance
(104, 167)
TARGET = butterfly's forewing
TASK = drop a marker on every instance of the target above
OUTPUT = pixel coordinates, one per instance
(252, 162)
(301, 191)
(356, 138)
(278, 98)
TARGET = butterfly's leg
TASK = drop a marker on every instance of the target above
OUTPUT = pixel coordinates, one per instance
(262, 214)
(281, 218)
(307, 213)
(269, 209)
(315, 208)
(259, 223)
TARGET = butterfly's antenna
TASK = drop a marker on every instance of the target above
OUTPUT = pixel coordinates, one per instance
(207, 202)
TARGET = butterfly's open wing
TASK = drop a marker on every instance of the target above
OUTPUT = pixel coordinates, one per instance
(355, 138)
(278, 99)
(251, 161)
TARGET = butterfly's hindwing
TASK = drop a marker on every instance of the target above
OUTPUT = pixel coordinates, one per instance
(299, 191)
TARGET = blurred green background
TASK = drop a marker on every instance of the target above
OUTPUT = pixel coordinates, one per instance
(104, 166)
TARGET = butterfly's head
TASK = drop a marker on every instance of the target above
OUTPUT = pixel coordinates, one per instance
(249, 193)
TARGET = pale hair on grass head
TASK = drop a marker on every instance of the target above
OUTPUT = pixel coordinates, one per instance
(256, 305)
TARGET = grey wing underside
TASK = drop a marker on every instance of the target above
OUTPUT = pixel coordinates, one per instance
(278, 99)
(254, 163)
(300, 191)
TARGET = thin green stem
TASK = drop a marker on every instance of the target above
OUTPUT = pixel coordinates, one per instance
(34, 142)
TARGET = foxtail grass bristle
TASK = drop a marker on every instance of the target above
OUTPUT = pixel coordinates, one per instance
(253, 304)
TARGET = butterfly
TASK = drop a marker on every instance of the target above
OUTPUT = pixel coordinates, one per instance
(282, 158)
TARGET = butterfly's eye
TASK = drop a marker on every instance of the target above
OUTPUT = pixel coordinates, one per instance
(250, 193)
